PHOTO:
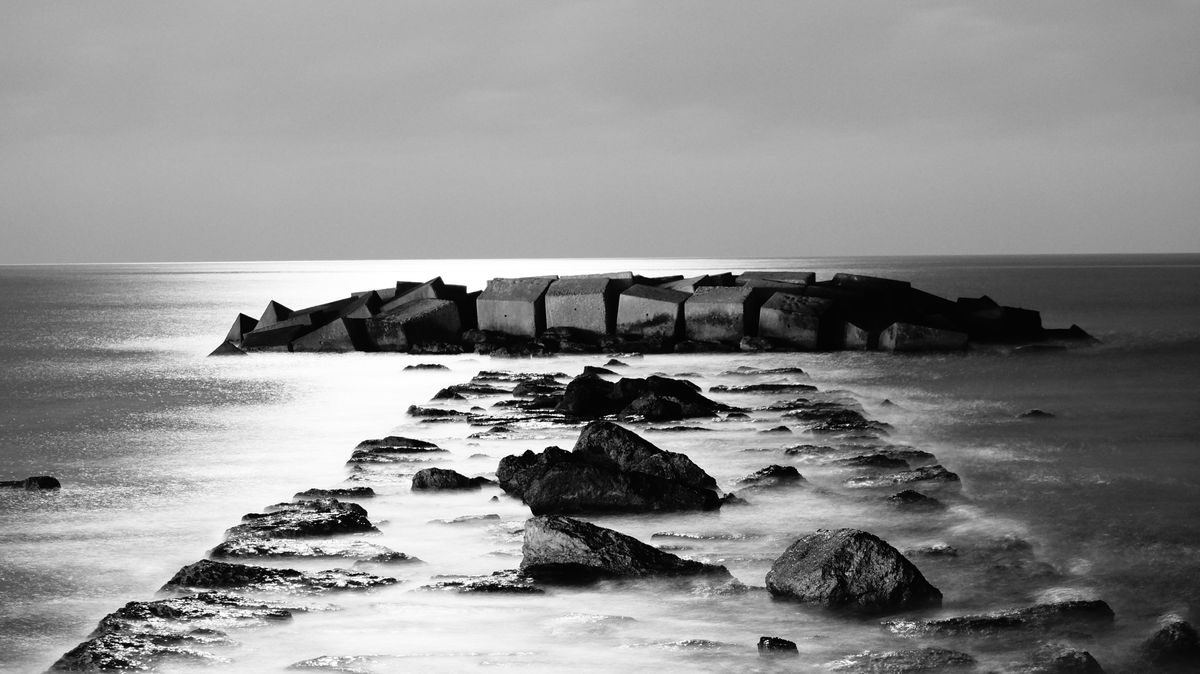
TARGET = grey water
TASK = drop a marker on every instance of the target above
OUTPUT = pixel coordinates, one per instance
(107, 387)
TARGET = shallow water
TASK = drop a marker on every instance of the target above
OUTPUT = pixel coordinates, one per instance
(160, 450)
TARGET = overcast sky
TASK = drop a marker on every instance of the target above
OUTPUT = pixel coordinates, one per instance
(143, 131)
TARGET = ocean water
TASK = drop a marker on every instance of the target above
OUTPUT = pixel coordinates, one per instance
(160, 449)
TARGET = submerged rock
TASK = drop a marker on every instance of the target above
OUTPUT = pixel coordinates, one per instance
(320, 517)
(434, 412)
(212, 575)
(589, 396)
(905, 661)
(426, 366)
(361, 551)
(432, 479)
(932, 474)
(391, 449)
(606, 440)
(1041, 616)
(1060, 659)
(850, 569)
(910, 499)
(562, 549)
(771, 476)
(338, 492)
(500, 582)
(880, 461)
(34, 483)
(776, 646)
(1036, 414)
(652, 407)
(1175, 643)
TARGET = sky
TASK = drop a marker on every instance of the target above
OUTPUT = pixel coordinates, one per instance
(288, 130)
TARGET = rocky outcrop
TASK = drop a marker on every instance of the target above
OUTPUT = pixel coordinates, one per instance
(391, 449)
(321, 517)
(850, 569)
(610, 469)
(561, 549)
(35, 483)
(214, 575)
(910, 499)
(358, 551)
(435, 479)
(588, 396)
(1075, 614)
(1174, 644)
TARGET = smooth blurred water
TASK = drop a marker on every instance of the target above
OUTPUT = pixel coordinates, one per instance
(160, 449)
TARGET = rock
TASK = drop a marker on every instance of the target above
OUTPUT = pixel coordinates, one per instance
(592, 369)
(772, 476)
(469, 519)
(322, 517)
(910, 499)
(434, 412)
(470, 389)
(776, 646)
(35, 483)
(431, 479)
(851, 569)
(1036, 414)
(935, 474)
(881, 461)
(1076, 613)
(391, 449)
(934, 550)
(603, 439)
(778, 430)
(613, 362)
(343, 492)
(533, 389)
(426, 366)
(560, 549)
(1060, 659)
(360, 551)
(904, 661)
(652, 407)
(748, 371)
(212, 575)
(500, 582)
(763, 388)
(1175, 643)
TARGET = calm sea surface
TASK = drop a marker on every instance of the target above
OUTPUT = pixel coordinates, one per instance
(106, 386)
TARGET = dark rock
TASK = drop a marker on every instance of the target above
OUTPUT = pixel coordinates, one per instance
(426, 366)
(677, 429)
(776, 646)
(851, 569)
(734, 500)
(592, 369)
(1076, 613)
(935, 550)
(343, 492)
(588, 396)
(737, 415)
(517, 377)
(772, 476)
(391, 449)
(446, 394)
(533, 389)
(762, 388)
(1175, 643)
(837, 420)
(910, 499)
(431, 479)
(212, 575)
(1060, 659)
(881, 461)
(808, 450)
(560, 549)
(1036, 414)
(35, 483)
(470, 389)
(434, 412)
(747, 371)
(322, 517)
(602, 439)
(652, 407)
(469, 519)
(361, 551)
(613, 362)
(782, 430)
(500, 582)
(932, 474)
(927, 659)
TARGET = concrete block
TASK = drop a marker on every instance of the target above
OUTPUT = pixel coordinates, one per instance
(365, 305)
(433, 289)
(650, 311)
(584, 303)
(766, 279)
(241, 325)
(422, 321)
(514, 306)
(855, 338)
(870, 284)
(278, 335)
(793, 320)
(901, 336)
(340, 335)
(274, 313)
(722, 314)
(689, 285)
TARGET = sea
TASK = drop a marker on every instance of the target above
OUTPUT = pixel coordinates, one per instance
(107, 385)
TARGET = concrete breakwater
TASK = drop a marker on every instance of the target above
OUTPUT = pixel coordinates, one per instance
(621, 311)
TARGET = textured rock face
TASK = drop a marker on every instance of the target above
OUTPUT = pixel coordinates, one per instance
(562, 549)
(850, 569)
(322, 517)
(907, 660)
(358, 551)
(588, 396)
(633, 453)
(776, 646)
(211, 575)
(432, 479)
(1060, 659)
(1040, 616)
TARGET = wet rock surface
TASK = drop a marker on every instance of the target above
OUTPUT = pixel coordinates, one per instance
(303, 519)
(564, 550)
(850, 569)
(903, 661)
(1060, 659)
(337, 492)
(439, 479)
(772, 476)
(392, 449)
(500, 582)
(215, 575)
(777, 646)
(1174, 644)
(935, 474)
(1086, 615)
(283, 548)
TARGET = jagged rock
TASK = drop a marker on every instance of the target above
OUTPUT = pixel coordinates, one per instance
(35, 483)
(536, 388)
(562, 549)
(613, 362)
(321, 517)
(852, 569)
(1060, 659)
(603, 439)
(776, 646)
(910, 499)
(500, 582)
(1175, 643)
(772, 476)
(904, 661)
(934, 550)
(282, 548)
(837, 420)
(391, 449)
(141, 635)
(339, 492)
(441, 478)
(213, 575)
(469, 519)
(935, 474)
(1041, 616)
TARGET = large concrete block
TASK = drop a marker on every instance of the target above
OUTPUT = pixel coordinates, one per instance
(423, 321)
(274, 313)
(649, 311)
(723, 314)
(855, 338)
(689, 285)
(514, 306)
(278, 335)
(901, 336)
(793, 320)
(585, 303)
(870, 284)
(339, 335)
(783, 280)
(365, 305)
(241, 325)
(433, 289)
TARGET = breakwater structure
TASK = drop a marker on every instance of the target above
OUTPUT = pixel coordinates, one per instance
(621, 311)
